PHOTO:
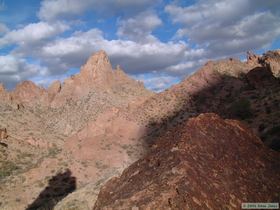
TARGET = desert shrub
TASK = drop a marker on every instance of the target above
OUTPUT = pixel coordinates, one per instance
(242, 109)
(7, 168)
(274, 130)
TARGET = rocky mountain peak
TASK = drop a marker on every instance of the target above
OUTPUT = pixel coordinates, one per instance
(97, 65)
(26, 85)
(27, 92)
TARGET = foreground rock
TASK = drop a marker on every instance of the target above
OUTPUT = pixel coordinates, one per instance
(205, 163)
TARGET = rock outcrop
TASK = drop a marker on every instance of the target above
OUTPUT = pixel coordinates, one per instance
(272, 60)
(4, 95)
(205, 163)
(29, 93)
(3, 133)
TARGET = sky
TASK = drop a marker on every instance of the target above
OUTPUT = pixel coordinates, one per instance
(156, 41)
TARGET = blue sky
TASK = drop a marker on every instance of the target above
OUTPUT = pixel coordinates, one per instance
(158, 42)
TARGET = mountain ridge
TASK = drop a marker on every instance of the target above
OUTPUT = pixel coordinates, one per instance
(91, 132)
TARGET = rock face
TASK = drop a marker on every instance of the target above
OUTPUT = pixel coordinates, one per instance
(96, 73)
(205, 163)
(3, 133)
(4, 95)
(29, 93)
(54, 89)
(272, 60)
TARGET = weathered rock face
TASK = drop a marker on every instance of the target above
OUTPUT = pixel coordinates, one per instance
(272, 60)
(29, 93)
(206, 163)
(4, 95)
(96, 73)
(3, 133)
(54, 89)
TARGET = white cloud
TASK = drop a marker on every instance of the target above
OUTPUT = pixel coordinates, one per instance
(174, 58)
(32, 33)
(3, 28)
(132, 56)
(54, 9)
(157, 82)
(228, 27)
(139, 28)
(14, 70)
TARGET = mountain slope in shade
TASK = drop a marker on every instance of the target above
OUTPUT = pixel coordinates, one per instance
(247, 91)
(205, 163)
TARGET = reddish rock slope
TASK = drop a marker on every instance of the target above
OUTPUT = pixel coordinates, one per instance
(205, 163)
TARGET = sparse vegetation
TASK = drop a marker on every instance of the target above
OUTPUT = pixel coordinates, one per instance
(241, 109)
(7, 168)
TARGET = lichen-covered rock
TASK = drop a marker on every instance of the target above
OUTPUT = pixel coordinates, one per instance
(205, 163)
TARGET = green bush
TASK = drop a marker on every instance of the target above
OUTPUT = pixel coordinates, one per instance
(242, 109)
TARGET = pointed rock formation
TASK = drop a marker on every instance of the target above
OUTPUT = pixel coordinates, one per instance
(3, 133)
(96, 75)
(54, 89)
(205, 163)
(272, 60)
(252, 59)
(29, 93)
(97, 71)
(4, 95)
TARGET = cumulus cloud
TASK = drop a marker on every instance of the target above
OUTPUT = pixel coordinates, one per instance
(14, 70)
(3, 28)
(208, 29)
(157, 82)
(134, 57)
(32, 33)
(54, 9)
(228, 27)
(139, 28)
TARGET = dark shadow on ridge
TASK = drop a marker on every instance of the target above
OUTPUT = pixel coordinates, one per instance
(231, 98)
(59, 186)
